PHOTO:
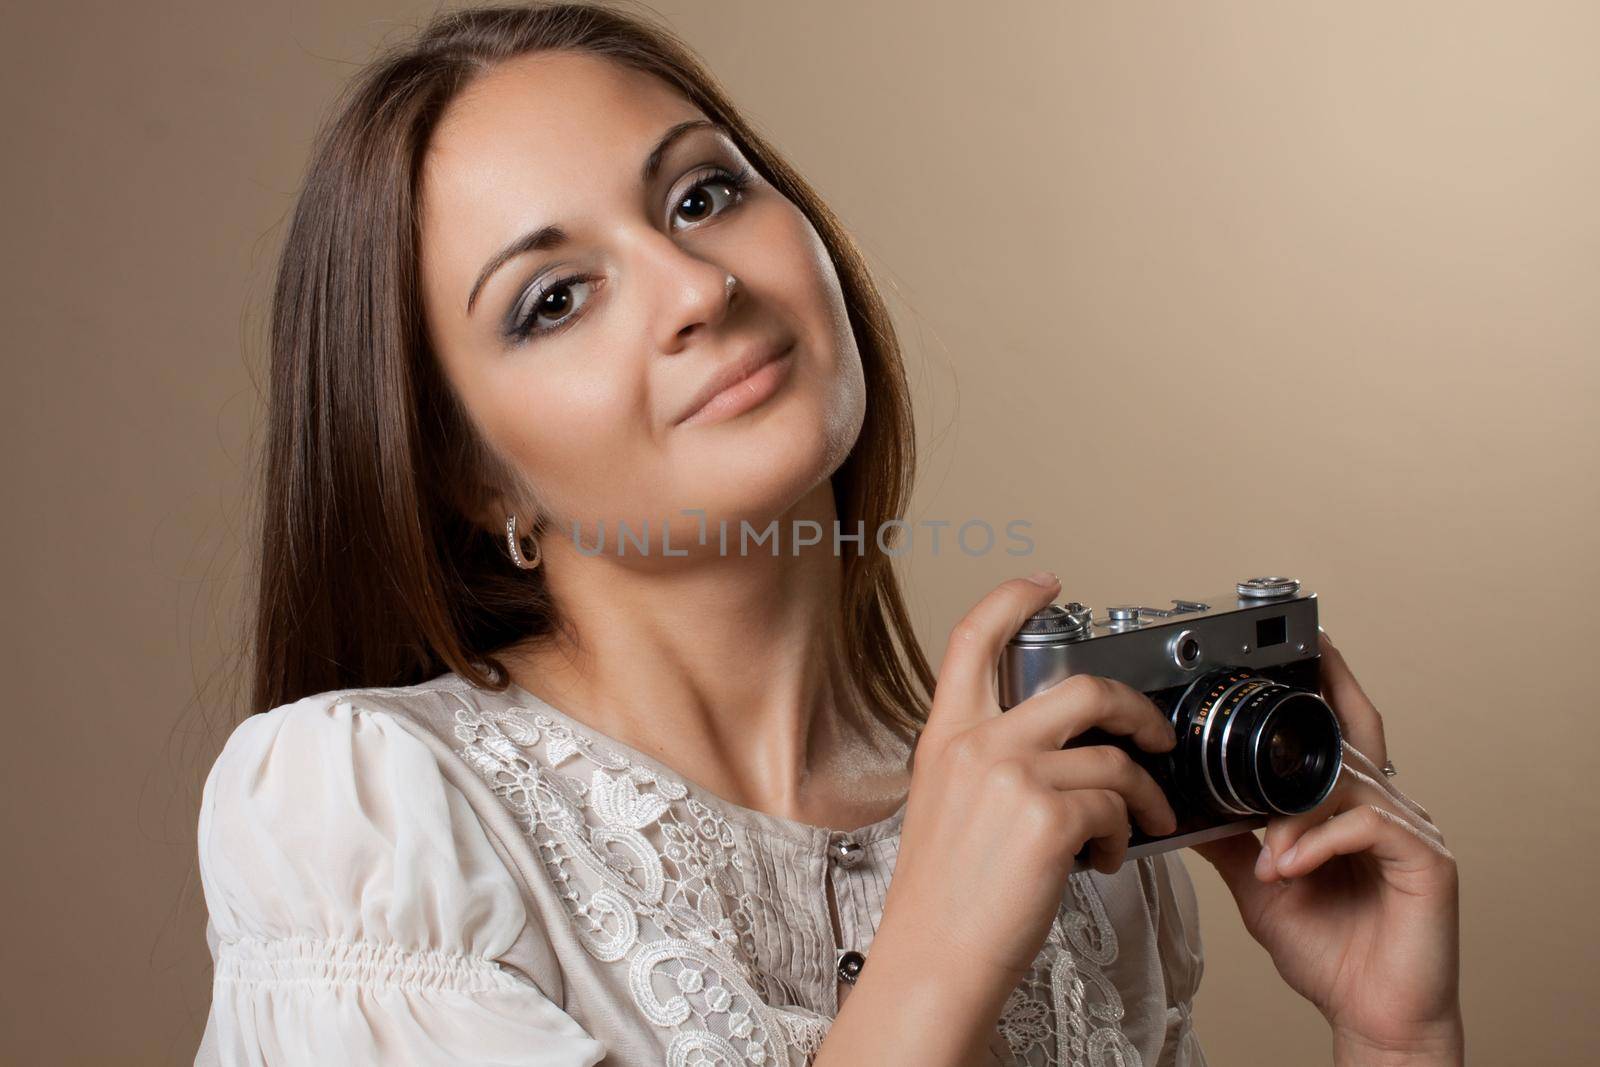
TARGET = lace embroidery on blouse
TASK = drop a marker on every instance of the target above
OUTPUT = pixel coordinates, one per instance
(1066, 1011)
(651, 876)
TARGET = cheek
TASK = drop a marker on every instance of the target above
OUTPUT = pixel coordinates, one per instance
(579, 437)
(840, 377)
(825, 294)
(836, 359)
(788, 262)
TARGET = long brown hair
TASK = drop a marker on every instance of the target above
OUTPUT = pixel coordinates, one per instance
(371, 572)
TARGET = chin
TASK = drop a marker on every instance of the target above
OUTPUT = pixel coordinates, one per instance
(759, 468)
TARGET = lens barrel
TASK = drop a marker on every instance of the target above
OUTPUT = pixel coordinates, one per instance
(1249, 745)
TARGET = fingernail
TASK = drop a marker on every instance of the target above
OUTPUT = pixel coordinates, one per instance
(1287, 857)
(1264, 862)
(1044, 578)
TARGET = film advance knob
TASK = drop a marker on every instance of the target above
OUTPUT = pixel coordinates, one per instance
(1055, 622)
(1264, 588)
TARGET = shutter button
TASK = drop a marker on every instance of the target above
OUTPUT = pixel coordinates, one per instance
(850, 964)
(846, 853)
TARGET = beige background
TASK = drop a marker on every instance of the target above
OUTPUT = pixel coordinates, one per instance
(1200, 290)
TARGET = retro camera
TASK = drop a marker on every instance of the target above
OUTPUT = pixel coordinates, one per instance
(1236, 675)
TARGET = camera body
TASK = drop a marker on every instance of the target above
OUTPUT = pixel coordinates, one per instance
(1236, 675)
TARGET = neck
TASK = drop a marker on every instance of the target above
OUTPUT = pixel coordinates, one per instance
(727, 668)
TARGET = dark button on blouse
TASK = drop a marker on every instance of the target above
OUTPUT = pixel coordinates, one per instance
(850, 964)
(846, 853)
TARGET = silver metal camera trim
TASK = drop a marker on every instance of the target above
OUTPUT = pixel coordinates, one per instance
(1255, 682)
(1263, 588)
(1177, 643)
(1225, 630)
(1262, 692)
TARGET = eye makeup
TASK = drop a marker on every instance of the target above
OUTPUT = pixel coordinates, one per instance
(555, 298)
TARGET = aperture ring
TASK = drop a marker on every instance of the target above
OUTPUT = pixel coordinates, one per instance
(1261, 693)
(1255, 682)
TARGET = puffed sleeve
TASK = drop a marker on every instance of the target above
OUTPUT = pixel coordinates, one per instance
(357, 907)
(1182, 958)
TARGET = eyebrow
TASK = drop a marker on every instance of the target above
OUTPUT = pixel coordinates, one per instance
(548, 237)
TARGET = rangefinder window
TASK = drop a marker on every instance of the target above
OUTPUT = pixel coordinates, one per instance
(1273, 631)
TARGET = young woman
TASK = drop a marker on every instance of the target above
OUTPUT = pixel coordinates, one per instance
(515, 799)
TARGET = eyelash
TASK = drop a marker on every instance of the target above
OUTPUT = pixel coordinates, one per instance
(524, 329)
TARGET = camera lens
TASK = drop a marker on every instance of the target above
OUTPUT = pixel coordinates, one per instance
(1297, 752)
(1285, 752)
(1249, 745)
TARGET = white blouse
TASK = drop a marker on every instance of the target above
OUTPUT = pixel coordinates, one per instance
(357, 907)
(442, 874)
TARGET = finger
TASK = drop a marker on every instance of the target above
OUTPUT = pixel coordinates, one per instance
(1356, 758)
(1105, 767)
(1100, 817)
(1053, 716)
(1368, 828)
(1358, 718)
(965, 691)
(1374, 790)
(1234, 857)
(1354, 790)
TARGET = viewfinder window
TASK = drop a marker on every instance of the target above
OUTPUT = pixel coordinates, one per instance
(1272, 631)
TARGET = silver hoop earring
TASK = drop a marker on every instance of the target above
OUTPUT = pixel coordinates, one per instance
(516, 548)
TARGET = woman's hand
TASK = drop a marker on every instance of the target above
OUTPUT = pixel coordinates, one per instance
(998, 809)
(1356, 900)
(996, 815)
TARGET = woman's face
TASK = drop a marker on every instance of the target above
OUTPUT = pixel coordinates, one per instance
(582, 359)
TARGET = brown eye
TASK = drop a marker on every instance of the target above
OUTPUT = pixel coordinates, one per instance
(557, 302)
(709, 196)
(553, 306)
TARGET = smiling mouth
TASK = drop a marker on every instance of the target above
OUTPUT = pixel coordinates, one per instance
(743, 387)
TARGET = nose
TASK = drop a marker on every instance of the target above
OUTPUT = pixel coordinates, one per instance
(696, 295)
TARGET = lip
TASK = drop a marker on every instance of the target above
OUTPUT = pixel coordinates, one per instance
(740, 385)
